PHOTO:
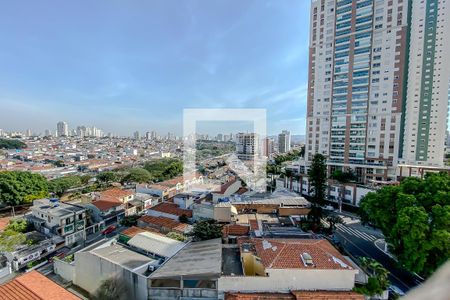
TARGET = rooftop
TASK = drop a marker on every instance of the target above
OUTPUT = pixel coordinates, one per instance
(106, 203)
(34, 286)
(157, 244)
(195, 259)
(290, 253)
(296, 295)
(172, 209)
(117, 193)
(122, 256)
(55, 207)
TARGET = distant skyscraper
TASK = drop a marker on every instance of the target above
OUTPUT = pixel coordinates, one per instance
(247, 145)
(284, 141)
(153, 135)
(28, 133)
(2, 133)
(47, 132)
(220, 137)
(376, 84)
(268, 147)
(62, 129)
(137, 135)
(148, 135)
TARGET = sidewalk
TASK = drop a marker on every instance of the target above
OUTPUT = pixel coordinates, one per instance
(383, 246)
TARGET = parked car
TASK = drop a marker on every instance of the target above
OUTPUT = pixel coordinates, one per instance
(396, 290)
(109, 229)
(329, 208)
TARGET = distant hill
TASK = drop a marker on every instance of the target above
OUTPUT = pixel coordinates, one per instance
(295, 138)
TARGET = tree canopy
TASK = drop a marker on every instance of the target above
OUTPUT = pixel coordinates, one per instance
(11, 144)
(138, 175)
(18, 187)
(60, 185)
(317, 176)
(164, 169)
(206, 230)
(415, 219)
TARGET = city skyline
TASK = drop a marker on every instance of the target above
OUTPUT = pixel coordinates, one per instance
(134, 70)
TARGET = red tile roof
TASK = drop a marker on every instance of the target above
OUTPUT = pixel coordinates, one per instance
(34, 286)
(254, 224)
(106, 203)
(235, 229)
(297, 295)
(327, 295)
(4, 222)
(132, 231)
(172, 209)
(286, 253)
(117, 193)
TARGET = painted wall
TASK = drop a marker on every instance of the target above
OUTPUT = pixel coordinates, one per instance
(284, 280)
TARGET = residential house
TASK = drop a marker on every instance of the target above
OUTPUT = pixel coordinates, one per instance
(124, 196)
(91, 267)
(163, 224)
(155, 245)
(192, 273)
(35, 286)
(62, 219)
(284, 265)
(169, 210)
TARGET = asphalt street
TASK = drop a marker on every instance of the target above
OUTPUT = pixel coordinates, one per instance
(359, 241)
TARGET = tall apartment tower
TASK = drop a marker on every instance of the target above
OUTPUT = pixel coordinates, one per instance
(426, 107)
(247, 145)
(62, 129)
(359, 110)
(284, 142)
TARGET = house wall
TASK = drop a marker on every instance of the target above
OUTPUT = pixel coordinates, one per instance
(202, 211)
(184, 203)
(91, 270)
(283, 280)
(222, 214)
(156, 213)
(228, 192)
(64, 269)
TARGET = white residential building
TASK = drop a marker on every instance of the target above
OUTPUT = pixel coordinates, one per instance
(284, 141)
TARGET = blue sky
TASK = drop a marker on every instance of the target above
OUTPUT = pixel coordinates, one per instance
(134, 65)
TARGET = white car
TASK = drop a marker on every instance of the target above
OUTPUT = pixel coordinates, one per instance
(329, 208)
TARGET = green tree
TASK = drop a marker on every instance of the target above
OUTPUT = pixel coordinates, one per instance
(206, 230)
(112, 288)
(129, 221)
(415, 219)
(107, 177)
(60, 185)
(333, 220)
(317, 177)
(164, 169)
(138, 175)
(85, 179)
(342, 177)
(19, 225)
(10, 239)
(183, 218)
(18, 187)
(11, 144)
(176, 236)
(378, 280)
